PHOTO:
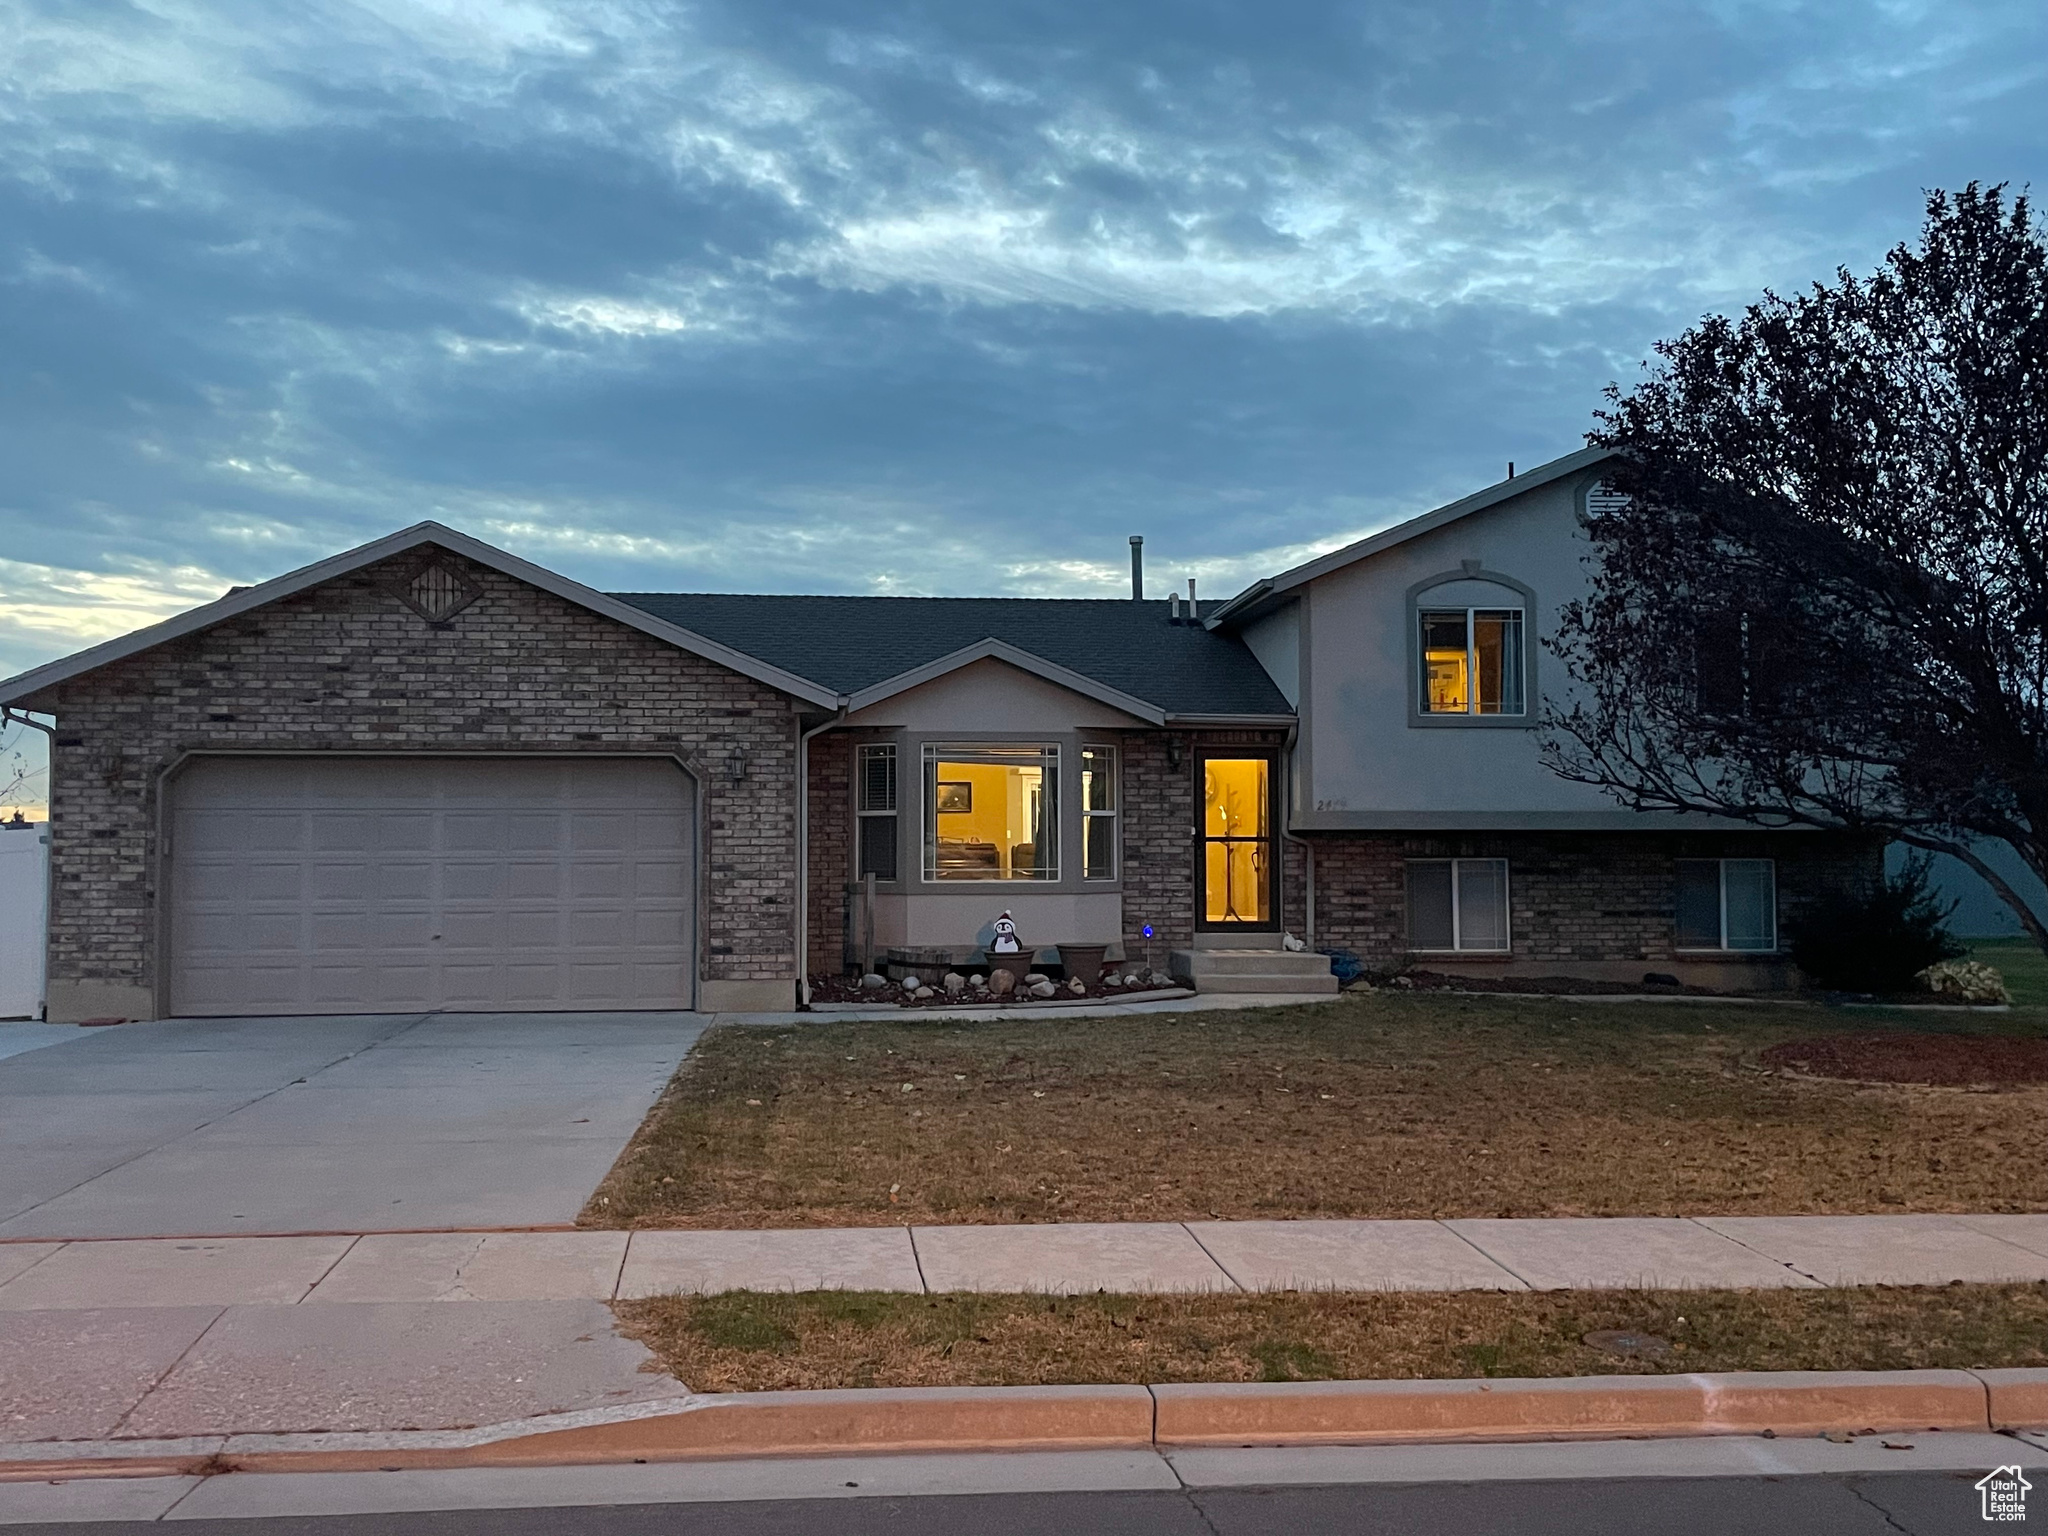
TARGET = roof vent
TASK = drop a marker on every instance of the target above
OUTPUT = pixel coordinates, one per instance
(1137, 567)
(437, 592)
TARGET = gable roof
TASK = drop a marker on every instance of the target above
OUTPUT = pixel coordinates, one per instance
(1121, 651)
(237, 603)
(831, 652)
(1261, 595)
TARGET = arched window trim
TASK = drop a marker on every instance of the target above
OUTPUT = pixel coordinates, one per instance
(1470, 571)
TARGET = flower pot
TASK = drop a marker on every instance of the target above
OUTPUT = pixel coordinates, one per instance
(1084, 960)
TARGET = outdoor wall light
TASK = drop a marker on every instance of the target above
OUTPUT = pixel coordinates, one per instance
(1173, 753)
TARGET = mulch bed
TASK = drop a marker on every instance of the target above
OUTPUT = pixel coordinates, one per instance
(1941, 1061)
(847, 989)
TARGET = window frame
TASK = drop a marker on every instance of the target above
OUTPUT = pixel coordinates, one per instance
(864, 813)
(1418, 602)
(1507, 908)
(1113, 814)
(1681, 947)
(1051, 763)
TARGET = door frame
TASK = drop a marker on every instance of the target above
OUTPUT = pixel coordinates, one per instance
(162, 853)
(1203, 756)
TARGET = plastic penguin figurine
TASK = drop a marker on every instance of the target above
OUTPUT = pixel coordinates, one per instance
(1006, 936)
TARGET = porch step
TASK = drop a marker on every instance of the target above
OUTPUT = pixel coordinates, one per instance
(1254, 970)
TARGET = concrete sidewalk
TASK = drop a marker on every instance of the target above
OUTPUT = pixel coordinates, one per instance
(1579, 1253)
(162, 1340)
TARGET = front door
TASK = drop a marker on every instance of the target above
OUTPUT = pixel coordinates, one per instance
(1236, 859)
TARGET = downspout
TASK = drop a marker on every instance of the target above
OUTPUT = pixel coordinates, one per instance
(15, 716)
(803, 855)
(1308, 849)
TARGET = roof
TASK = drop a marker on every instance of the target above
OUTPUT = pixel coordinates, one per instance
(865, 648)
(830, 652)
(1261, 595)
(236, 603)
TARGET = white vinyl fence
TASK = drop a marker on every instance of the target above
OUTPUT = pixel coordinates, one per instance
(24, 888)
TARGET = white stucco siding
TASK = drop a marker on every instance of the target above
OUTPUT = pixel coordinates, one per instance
(1366, 763)
(1275, 640)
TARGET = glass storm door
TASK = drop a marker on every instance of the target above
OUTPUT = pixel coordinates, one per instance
(1237, 843)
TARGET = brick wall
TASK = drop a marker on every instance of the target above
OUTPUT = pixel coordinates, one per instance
(1575, 898)
(346, 666)
(1159, 856)
(831, 849)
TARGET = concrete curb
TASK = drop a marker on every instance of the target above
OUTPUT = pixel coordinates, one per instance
(937, 1419)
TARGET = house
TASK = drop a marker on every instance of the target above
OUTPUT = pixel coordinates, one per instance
(428, 774)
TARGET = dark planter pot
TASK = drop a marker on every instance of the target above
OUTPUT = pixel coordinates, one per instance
(1019, 965)
(1084, 960)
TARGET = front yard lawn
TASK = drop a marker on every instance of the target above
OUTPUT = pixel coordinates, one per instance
(1377, 1105)
(746, 1341)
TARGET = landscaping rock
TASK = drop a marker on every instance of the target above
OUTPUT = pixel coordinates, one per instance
(1002, 983)
(1042, 988)
(954, 983)
(1078, 987)
(978, 982)
(922, 993)
(1033, 978)
(873, 983)
(1112, 981)
(1132, 980)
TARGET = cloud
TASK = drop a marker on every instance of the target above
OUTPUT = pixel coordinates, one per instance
(881, 298)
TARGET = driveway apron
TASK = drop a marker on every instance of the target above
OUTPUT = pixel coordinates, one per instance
(218, 1127)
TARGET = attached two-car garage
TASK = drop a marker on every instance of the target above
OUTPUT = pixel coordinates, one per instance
(336, 883)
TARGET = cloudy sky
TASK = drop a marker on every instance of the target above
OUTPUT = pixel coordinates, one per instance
(797, 295)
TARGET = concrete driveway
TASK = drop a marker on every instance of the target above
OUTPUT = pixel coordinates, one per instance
(213, 1127)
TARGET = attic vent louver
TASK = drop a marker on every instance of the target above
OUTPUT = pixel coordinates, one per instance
(1602, 500)
(437, 593)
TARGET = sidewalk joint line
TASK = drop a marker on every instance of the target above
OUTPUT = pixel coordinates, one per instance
(347, 1248)
(1751, 1247)
(1499, 1264)
(2032, 1253)
(164, 1375)
(917, 1258)
(1222, 1268)
(59, 1245)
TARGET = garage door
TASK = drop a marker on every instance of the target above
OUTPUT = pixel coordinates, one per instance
(382, 885)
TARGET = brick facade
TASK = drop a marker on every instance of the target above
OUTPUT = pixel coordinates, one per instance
(831, 849)
(347, 666)
(1582, 903)
(1159, 814)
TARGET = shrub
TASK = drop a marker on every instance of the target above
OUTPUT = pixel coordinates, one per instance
(1877, 940)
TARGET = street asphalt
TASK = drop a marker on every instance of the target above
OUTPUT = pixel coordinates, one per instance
(1922, 1504)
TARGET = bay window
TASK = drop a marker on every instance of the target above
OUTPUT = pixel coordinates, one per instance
(874, 809)
(1098, 813)
(991, 812)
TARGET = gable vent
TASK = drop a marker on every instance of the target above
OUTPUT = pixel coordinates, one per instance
(437, 593)
(1602, 500)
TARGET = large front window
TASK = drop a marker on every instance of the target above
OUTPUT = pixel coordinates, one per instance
(1472, 661)
(991, 812)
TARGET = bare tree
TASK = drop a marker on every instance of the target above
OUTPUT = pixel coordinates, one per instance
(1821, 595)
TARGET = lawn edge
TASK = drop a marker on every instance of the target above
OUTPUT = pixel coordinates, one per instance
(937, 1419)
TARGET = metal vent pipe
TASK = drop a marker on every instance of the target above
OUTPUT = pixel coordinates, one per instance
(1137, 567)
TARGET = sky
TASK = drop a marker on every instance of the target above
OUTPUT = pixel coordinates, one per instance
(794, 295)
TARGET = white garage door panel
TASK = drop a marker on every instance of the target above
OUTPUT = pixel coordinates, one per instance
(341, 885)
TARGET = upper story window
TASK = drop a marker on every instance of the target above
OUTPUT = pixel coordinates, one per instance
(1472, 661)
(991, 812)
(874, 806)
(1472, 652)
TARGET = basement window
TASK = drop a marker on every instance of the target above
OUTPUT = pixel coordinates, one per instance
(1728, 904)
(1458, 905)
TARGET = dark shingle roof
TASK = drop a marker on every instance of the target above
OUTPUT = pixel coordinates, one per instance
(850, 643)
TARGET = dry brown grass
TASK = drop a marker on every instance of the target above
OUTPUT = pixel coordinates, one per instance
(753, 1342)
(1375, 1106)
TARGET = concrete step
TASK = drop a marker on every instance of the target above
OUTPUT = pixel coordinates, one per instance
(1254, 970)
